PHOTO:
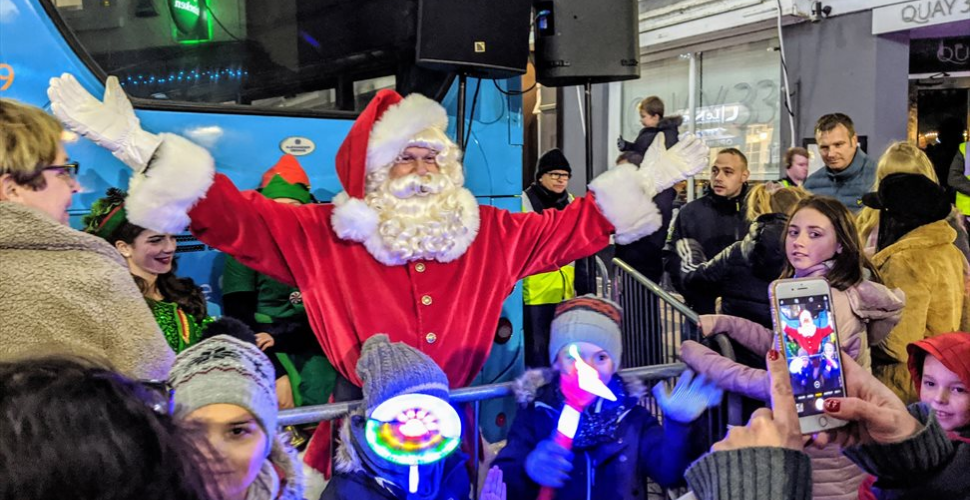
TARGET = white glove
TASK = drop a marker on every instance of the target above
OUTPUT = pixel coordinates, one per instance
(111, 124)
(670, 166)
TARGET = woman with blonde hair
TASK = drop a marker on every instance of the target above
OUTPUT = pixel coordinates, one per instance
(904, 158)
(740, 274)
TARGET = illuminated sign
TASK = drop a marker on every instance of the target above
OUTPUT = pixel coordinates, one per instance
(192, 24)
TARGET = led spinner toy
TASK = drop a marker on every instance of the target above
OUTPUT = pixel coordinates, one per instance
(579, 387)
(413, 430)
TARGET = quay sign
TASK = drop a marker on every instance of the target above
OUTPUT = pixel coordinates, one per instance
(918, 13)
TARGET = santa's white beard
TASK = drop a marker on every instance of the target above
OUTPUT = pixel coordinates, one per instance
(420, 217)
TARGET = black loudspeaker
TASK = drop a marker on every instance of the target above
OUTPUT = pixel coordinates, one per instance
(579, 41)
(482, 38)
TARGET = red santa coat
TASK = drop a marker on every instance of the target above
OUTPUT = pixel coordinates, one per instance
(447, 310)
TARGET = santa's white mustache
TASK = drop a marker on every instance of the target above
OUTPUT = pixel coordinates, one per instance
(412, 185)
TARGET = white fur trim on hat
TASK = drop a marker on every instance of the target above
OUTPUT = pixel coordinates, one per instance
(391, 133)
(352, 218)
(625, 196)
(176, 180)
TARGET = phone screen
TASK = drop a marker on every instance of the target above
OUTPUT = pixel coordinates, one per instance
(811, 348)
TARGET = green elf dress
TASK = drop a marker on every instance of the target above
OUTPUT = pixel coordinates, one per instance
(267, 305)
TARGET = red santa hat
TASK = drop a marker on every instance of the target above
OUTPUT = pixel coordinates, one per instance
(384, 129)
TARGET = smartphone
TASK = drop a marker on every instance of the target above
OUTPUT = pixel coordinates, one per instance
(806, 334)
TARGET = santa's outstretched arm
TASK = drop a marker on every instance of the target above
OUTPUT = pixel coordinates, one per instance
(625, 193)
(171, 176)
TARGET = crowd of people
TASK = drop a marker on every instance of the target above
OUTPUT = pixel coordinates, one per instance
(118, 381)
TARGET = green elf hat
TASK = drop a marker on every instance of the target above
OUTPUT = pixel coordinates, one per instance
(107, 214)
(286, 180)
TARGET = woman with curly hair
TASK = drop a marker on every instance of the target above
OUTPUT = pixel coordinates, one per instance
(178, 305)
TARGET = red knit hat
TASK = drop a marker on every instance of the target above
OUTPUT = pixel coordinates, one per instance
(381, 132)
(952, 349)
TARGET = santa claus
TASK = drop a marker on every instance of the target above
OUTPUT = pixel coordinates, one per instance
(405, 249)
(807, 334)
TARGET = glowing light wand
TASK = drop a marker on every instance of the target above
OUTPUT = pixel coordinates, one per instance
(580, 387)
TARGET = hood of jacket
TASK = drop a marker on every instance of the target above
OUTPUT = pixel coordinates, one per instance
(670, 122)
(878, 306)
(24, 228)
(281, 477)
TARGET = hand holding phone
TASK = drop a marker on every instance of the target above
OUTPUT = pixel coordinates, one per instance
(777, 427)
(808, 339)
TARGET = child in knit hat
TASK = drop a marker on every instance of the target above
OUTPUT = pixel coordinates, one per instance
(617, 442)
(227, 386)
(388, 371)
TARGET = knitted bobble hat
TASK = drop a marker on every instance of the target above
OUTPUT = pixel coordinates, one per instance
(587, 319)
(390, 369)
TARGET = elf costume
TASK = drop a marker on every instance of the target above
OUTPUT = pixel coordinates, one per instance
(181, 330)
(267, 305)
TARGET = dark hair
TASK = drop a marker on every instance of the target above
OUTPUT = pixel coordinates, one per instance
(792, 153)
(630, 157)
(851, 262)
(71, 427)
(181, 291)
(736, 152)
(652, 106)
(828, 122)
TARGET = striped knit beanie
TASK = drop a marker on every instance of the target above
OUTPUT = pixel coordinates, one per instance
(587, 319)
(226, 370)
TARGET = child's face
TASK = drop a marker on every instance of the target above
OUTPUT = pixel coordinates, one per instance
(648, 120)
(811, 239)
(593, 355)
(943, 391)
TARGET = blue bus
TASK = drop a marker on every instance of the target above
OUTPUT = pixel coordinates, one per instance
(253, 80)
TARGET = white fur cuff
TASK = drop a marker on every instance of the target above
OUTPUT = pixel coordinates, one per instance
(352, 219)
(176, 180)
(625, 196)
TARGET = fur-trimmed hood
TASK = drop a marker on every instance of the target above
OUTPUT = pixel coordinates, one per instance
(281, 477)
(527, 387)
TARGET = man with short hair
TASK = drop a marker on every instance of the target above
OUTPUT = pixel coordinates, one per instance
(796, 167)
(849, 173)
(714, 220)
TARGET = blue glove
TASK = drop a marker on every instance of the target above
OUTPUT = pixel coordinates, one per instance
(549, 464)
(690, 397)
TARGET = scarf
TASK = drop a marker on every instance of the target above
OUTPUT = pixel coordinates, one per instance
(395, 477)
(542, 198)
(598, 424)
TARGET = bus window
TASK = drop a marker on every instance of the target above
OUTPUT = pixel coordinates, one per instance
(280, 54)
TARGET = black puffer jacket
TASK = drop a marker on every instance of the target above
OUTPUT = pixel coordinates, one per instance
(668, 126)
(741, 273)
(715, 222)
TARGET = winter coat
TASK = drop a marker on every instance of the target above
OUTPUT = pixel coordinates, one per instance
(281, 477)
(668, 126)
(616, 469)
(847, 185)
(72, 291)
(352, 481)
(930, 270)
(864, 315)
(742, 272)
(930, 464)
(715, 222)
(646, 254)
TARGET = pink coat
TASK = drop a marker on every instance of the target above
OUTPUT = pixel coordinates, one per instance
(864, 316)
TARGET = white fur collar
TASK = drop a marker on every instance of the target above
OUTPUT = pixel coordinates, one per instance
(353, 220)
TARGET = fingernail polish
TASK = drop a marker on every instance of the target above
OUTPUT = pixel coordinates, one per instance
(832, 405)
(773, 355)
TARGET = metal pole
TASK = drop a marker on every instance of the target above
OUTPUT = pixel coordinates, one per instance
(460, 119)
(588, 117)
(691, 109)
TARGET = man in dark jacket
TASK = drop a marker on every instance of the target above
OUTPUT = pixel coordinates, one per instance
(714, 220)
(848, 172)
(652, 118)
